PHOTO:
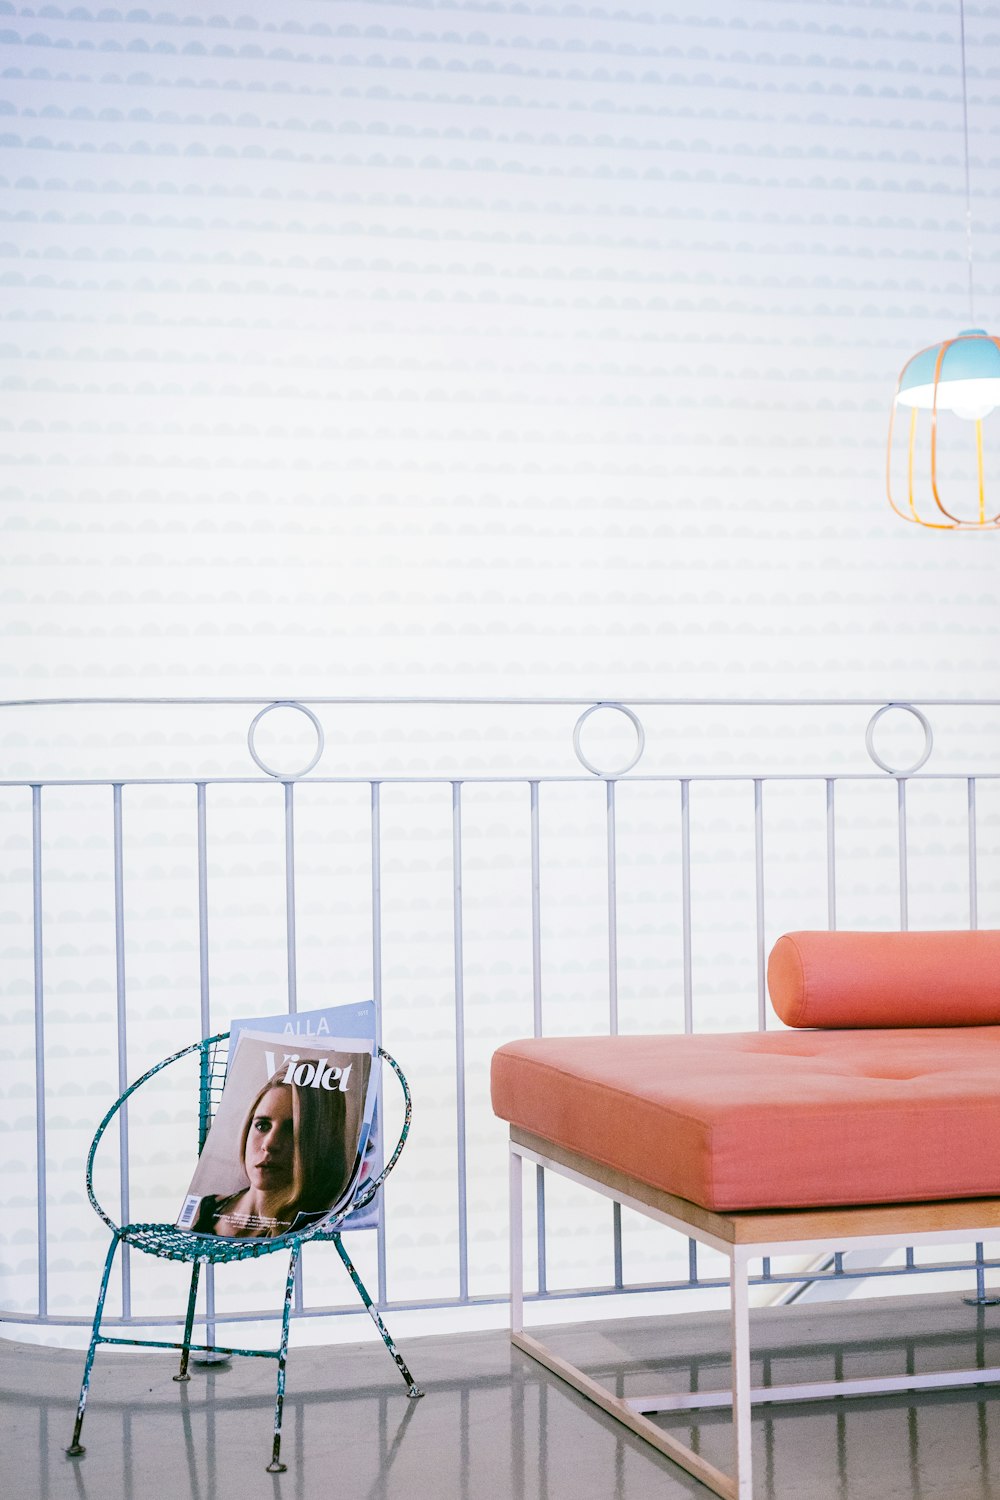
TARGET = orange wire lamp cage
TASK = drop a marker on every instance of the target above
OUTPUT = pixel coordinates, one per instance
(958, 383)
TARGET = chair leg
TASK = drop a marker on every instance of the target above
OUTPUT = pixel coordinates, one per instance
(76, 1449)
(413, 1390)
(189, 1323)
(276, 1466)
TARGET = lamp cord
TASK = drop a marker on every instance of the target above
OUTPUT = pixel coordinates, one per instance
(968, 185)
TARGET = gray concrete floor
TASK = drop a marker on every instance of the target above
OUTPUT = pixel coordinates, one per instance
(493, 1424)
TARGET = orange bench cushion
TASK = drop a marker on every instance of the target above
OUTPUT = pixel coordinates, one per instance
(789, 1119)
(886, 978)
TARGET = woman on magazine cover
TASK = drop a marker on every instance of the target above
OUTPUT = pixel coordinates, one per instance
(293, 1152)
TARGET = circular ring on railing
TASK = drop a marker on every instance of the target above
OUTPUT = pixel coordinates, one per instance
(640, 739)
(928, 739)
(320, 740)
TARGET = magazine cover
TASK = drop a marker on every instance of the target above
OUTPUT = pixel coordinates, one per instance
(288, 1140)
(354, 1020)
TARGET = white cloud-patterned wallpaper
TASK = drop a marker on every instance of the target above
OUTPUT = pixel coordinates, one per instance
(394, 347)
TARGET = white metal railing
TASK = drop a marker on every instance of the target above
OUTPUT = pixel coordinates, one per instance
(97, 761)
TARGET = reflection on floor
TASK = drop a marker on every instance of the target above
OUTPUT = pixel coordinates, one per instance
(493, 1424)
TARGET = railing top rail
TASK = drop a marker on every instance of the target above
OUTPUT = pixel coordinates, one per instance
(521, 702)
(672, 721)
(519, 778)
(502, 702)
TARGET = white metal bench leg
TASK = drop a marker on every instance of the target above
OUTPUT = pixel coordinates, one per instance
(740, 1306)
(616, 1406)
(516, 1246)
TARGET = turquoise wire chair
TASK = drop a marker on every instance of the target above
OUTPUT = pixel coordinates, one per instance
(170, 1243)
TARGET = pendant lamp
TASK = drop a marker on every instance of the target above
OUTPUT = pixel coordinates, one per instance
(960, 377)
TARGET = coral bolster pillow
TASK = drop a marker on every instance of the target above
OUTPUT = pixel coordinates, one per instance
(854, 979)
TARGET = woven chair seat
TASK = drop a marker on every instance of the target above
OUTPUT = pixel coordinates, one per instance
(171, 1243)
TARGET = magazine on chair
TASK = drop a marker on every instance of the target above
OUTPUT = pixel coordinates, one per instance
(288, 1142)
(354, 1020)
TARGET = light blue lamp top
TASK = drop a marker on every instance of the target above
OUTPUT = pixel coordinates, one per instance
(968, 380)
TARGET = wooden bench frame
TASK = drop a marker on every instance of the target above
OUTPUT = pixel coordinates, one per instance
(742, 1238)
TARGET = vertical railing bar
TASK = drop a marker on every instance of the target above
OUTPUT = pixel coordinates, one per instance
(686, 903)
(290, 948)
(40, 1132)
(904, 894)
(123, 1150)
(686, 944)
(831, 855)
(973, 858)
(612, 835)
(376, 828)
(758, 839)
(205, 1002)
(536, 992)
(204, 993)
(291, 957)
(612, 911)
(541, 1250)
(536, 912)
(463, 1206)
